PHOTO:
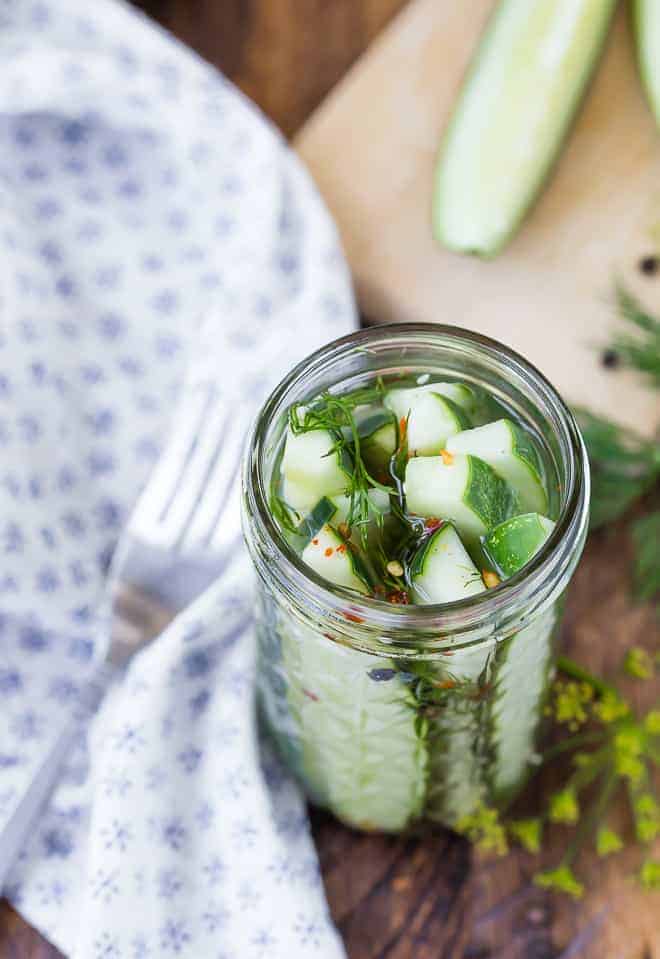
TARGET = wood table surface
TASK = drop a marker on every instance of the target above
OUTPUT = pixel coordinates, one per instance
(432, 898)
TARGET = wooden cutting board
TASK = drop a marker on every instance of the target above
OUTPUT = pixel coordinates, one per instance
(372, 145)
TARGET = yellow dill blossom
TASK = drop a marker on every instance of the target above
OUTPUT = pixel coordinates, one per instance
(483, 828)
(561, 879)
(528, 833)
(564, 807)
(628, 747)
(647, 817)
(571, 702)
(638, 663)
(652, 722)
(610, 707)
(608, 842)
(649, 875)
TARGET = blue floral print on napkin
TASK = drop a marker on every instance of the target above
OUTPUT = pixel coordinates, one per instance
(140, 192)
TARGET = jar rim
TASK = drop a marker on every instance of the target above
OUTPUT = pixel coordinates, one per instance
(534, 587)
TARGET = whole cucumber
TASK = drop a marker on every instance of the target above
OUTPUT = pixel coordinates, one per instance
(521, 92)
(646, 21)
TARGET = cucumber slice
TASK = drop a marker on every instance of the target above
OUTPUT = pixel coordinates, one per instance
(299, 498)
(315, 520)
(361, 750)
(311, 463)
(520, 684)
(459, 488)
(329, 556)
(459, 393)
(511, 452)
(521, 93)
(457, 738)
(513, 543)
(432, 417)
(342, 504)
(378, 440)
(441, 570)
(646, 20)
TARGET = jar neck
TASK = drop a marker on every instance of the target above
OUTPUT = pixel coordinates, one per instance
(373, 624)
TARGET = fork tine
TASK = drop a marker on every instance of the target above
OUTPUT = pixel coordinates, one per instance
(219, 480)
(194, 477)
(227, 523)
(166, 477)
(213, 490)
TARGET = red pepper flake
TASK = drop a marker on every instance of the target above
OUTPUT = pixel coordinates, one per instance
(315, 541)
(445, 684)
(379, 590)
(403, 427)
(329, 551)
(344, 530)
(399, 597)
(447, 457)
(341, 548)
(311, 696)
(491, 580)
(351, 617)
(432, 523)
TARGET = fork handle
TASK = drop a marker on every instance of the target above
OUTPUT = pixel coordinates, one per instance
(15, 832)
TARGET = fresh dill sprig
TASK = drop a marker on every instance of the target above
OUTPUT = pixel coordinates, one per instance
(646, 569)
(283, 513)
(622, 758)
(335, 413)
(623, 466)
(639, 350)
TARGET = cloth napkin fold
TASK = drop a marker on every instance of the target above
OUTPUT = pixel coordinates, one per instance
(138, 192)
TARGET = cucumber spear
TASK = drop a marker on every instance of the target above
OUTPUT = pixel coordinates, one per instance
(646, 20)
(522, 91)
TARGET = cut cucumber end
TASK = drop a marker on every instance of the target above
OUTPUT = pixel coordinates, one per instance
(460, 488)
(511, 544)
(441, 571)
(519, 98)
(511, 452)
(646, 25)
(334, 559)
(432, 417)
(311, 462)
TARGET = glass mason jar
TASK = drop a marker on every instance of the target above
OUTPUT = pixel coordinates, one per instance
(391, 715)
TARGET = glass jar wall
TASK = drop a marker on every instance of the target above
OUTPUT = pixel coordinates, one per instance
(390, 715)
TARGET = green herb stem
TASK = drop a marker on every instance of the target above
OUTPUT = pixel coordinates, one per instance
(575, 671)
(591, 822)
(584, 739)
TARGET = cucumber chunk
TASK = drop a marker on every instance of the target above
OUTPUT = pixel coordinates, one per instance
(646, 19)
(459, 488)
(379, 498)
(329, 556)
(513, 543)
(362, 753)
(311, 464)
(521, 93)
(432, 417)
(315, 520)
(298, 497)
(378, 440)
(511, 452)
(457, 740)
(520, 684)
(441, 570)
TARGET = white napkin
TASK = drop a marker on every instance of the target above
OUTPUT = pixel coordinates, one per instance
(138, 191)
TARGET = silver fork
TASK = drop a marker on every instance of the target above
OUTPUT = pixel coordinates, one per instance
(184, 531)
